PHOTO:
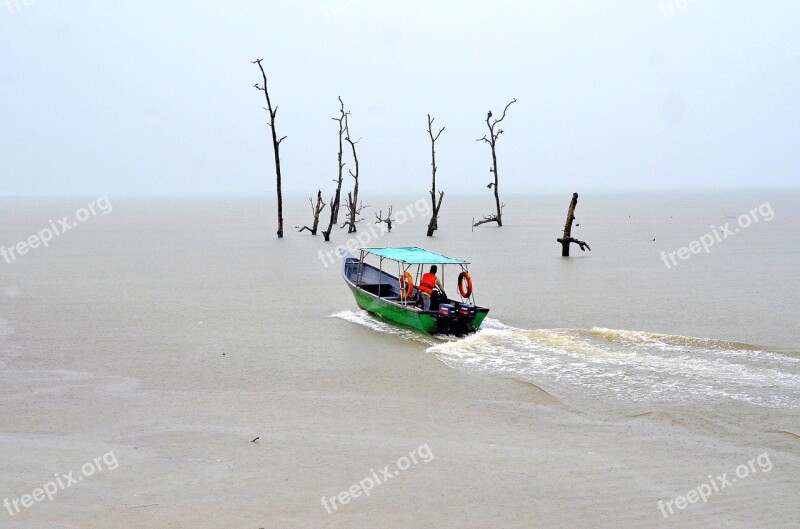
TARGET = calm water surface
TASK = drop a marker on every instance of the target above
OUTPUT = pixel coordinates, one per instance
(153, 296)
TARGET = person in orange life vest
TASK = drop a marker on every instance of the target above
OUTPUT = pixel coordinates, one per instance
(426, 285)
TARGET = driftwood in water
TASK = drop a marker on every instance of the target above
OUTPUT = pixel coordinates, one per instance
(354, 208)
(335, 201)
(492, 141)
(387, 220)
(433, 225)
(315, 211)
(566, 239)
(275, 144)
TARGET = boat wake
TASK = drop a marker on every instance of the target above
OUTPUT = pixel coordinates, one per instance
(375, 323)
(610, 368)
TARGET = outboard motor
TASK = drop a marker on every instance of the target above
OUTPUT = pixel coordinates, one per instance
(447, 310)
(455, 318)
(466, 310)
(446, 318)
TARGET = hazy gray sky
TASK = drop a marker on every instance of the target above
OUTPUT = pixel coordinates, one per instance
(158, 97)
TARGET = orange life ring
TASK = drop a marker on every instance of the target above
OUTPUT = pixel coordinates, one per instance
(406, 286)
(465, 293)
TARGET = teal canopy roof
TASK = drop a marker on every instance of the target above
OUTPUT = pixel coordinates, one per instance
(413, 255)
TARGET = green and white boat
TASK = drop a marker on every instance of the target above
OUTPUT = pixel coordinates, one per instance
(395, 298)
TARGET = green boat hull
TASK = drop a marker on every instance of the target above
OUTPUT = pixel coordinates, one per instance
(407, 317)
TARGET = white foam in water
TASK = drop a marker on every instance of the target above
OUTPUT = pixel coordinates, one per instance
(375, 323)
(606, 366)
(491, 323)
(609, 366)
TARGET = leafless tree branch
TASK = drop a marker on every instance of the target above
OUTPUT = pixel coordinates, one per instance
(275, 142)
(491, 139)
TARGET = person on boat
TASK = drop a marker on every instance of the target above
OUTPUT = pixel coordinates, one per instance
(427, 284)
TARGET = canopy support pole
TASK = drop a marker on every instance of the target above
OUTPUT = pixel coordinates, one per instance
(380, 275)
(360, 269)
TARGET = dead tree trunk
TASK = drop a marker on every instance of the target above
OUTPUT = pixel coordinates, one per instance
(335, 201)
(567, 237)
(353, 207)
(353, 212)
(387, 220)
(315, 211)
(275, 144)
(433, 225)
(492, 141)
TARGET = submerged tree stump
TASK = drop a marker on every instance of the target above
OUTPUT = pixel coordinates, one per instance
(315, 211)
(387, 220)
(566, 239)
(433, 225)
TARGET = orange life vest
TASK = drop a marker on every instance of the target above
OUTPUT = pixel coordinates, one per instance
(428, 283)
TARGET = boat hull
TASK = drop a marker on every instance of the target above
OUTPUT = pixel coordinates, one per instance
(390, 311)
(378, 292)
(415, 319)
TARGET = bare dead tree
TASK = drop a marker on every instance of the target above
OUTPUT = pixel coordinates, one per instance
(336, 200)
(433, 225)
(567, 237)
(315, 211)
(387, 220)
(353, 207)
(275, 143)
(492, 141)
(353, 212)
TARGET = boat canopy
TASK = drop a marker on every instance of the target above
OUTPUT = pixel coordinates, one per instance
(413, 255)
